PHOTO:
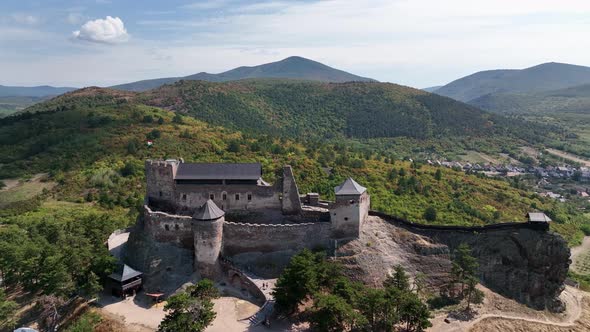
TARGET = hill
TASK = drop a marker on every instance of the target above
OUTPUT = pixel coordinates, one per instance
(333, 110)
(573, 99)
(9, 105)
(35, 91)
(543, 77)
(95, 153)
(432, 88)
(291, 68)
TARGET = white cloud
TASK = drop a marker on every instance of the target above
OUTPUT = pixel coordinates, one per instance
(110, 30)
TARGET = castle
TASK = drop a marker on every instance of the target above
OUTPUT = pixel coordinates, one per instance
(225, 210)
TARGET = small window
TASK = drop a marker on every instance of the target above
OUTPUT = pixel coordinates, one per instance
(167, 227)
(224, 196)
(249, 197)
(212, 196)
(346, 218)
(176, 227)
(160, 194)
(184, 197)
(237, 197)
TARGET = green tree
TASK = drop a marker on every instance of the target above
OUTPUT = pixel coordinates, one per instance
(398, 280)
(413, 313)
(378, 309)
(430, 213)
(464, 270)
(438, 175)
(297, 282)
(177, 118)
(191, 310)
(234, 146)
(332, 313)
(7, 310)
(132, 146)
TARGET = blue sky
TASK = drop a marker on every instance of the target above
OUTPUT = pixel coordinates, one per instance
(412, 42)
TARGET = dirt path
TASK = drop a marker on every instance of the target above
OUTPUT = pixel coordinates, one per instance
(569, 156)
(495, 304)
(578, 251)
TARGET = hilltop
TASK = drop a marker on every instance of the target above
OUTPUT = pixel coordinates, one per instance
(293, 67)
(543, 77)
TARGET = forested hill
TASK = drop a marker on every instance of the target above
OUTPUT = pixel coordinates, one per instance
(326, 110)
(574, 99)
(543, 77)
(293, 67)
(314, 110)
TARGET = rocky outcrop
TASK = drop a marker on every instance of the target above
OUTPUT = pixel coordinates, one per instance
(528, 265)
(524, 263)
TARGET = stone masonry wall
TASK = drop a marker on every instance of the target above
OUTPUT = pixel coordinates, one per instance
(239, 238)
(168, 228)
(189, 197)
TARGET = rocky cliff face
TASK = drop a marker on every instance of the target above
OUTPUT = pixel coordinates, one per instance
(527, 265)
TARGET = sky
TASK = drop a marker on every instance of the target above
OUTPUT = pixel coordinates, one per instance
(419, 43)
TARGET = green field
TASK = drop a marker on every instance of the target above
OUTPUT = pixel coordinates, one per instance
(23, 191)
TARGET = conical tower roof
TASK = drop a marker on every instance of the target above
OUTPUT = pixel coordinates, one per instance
(349, 187)
(209, 211)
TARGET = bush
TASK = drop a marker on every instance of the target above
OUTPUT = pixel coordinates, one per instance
(430, 213)
(154, 134)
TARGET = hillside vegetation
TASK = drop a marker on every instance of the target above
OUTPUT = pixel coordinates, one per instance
(323, 110)
(94, 150)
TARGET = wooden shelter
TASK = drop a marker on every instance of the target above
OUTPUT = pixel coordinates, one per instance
(125, 280)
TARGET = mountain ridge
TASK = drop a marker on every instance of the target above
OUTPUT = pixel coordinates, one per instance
(543, 77)
(33, 91)
(293, 67)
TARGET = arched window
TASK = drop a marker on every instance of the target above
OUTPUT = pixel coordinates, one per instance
(167, 227)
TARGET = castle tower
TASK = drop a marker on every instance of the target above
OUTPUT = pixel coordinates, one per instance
(159, 177)
(350, 209)
(208, 235)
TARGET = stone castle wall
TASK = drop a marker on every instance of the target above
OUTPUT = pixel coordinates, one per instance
(168, 228)
(239, 238)
(188, 197)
